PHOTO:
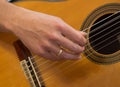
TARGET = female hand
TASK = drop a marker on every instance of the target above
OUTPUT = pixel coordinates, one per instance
(46, 35)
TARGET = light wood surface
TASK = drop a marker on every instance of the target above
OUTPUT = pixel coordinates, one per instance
(81, 73)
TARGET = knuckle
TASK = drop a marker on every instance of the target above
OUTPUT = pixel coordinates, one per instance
(60, 25)
(76, 49)
(54, 37)
(36, 49)
(45, 45)
(78, 40)
(40, 52)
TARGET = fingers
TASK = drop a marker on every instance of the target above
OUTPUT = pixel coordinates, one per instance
(72, 44)
(83, 33)
(76, 36)
(67, 39)
(66, 55)
(63, 54)
(69, 45)
(51, 52)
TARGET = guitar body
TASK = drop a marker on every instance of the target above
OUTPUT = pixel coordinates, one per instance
(78, 73)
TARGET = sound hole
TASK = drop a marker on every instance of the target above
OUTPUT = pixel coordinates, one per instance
(104, 36)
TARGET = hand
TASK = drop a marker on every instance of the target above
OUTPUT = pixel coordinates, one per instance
(46, 35)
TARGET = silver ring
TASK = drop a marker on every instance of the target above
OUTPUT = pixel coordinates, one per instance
(60, 52)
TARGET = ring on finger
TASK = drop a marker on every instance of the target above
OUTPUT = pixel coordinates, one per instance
(60, 52)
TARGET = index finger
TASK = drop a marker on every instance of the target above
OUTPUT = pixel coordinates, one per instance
(74, 35)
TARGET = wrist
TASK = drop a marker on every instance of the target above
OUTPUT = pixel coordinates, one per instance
(9, 16)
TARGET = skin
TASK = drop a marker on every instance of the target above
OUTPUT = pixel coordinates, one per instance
(35, 30)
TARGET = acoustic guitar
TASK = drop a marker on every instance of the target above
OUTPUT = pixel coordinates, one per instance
(99, 66)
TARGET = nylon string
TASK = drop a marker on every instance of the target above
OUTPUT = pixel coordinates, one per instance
(87, 39)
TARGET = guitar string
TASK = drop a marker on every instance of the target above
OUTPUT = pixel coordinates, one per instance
(73, 63)
(36, 55)
(94, 25)
(84, 30)
(56, 62)
(101, 21)
(61, 71)
(97, 33)
(88, 50)
(89, 38)
(50, 76)
(89, 55)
